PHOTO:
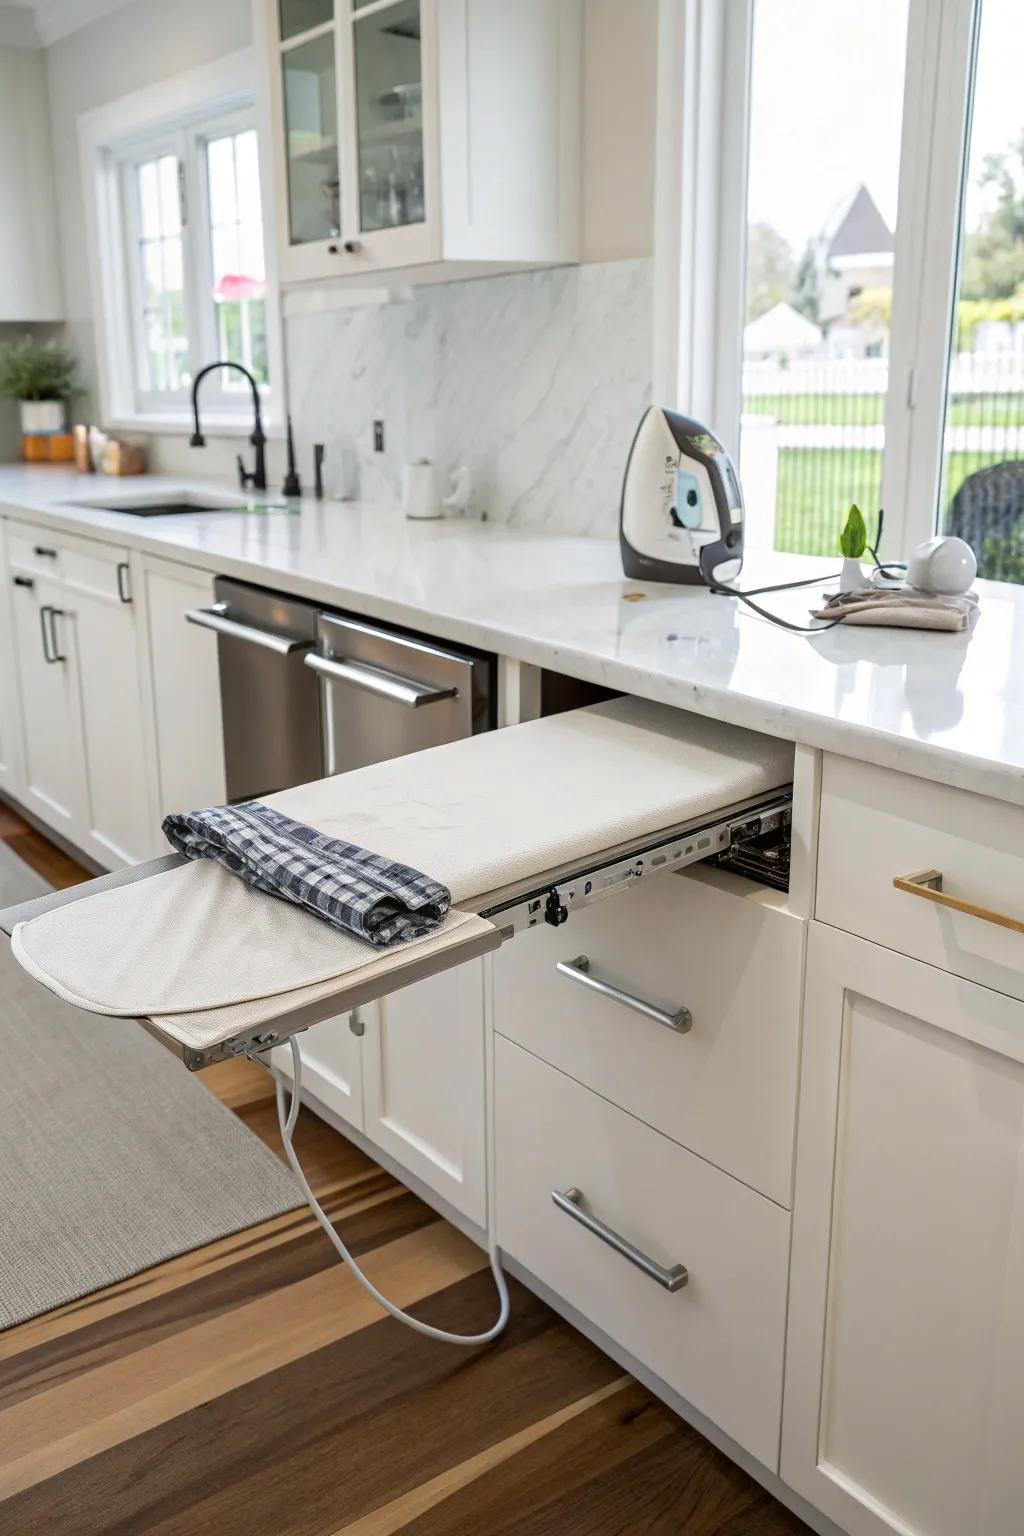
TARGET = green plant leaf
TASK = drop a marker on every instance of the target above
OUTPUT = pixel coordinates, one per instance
(853, 540)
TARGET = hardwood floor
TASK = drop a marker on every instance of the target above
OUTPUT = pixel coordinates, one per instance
(251, 1388)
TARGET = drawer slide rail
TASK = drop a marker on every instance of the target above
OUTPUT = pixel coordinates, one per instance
(553, 903)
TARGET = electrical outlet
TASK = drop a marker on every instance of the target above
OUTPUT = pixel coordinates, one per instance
(378, 437)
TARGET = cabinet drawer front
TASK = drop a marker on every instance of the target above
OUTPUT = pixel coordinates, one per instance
(33, 549)
(99, 570)
(709, 942)
(878, 825)
(718, 1340)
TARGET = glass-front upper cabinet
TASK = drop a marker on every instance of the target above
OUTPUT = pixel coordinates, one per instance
(375, 173)
(387, 53)
(306, 81)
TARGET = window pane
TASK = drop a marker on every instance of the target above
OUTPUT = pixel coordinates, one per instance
(236, 255)
(149, 199)
(825, 125)
(163, 338)
(982, 498)
(170, 211)
(220, 160)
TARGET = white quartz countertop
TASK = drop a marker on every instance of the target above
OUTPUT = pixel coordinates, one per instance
(945, 707)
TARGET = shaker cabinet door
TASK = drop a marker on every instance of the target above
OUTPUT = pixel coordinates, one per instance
(54, 780)
(423, 1084)
(904, 1393)
(10, 722)
(97, 593)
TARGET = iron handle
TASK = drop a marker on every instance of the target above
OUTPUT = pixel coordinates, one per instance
(579, 970)
(24, 581)
(671, 1279)
(43, 553)
(387, 685)
(215, 618)
(928, 883)
(123, 589)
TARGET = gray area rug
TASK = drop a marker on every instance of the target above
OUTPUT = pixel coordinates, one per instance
(114, 1156)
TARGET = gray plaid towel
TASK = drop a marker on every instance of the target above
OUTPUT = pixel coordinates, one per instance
(348, 887)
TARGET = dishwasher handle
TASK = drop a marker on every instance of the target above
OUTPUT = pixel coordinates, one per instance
(387, 685)
(216, 618)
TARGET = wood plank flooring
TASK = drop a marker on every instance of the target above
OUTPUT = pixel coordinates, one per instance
(252, 1389)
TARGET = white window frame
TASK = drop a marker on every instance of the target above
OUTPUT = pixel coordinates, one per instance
(705, 49)
(177, 116)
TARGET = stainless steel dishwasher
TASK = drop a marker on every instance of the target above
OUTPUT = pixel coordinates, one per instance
(383, 693)
(269, 699)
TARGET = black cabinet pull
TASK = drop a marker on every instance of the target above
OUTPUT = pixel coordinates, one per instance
(48, 617)
(44, 553)
(44, 613)
(24, 581)
(123, 589)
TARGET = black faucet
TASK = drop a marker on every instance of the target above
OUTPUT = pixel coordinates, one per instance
(258, 478)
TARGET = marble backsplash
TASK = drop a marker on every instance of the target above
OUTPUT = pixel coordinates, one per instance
(535, 381)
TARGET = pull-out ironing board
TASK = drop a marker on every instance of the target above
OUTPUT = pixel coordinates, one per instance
(526, 825)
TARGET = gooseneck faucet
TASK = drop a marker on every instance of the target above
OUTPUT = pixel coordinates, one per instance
(257, 479)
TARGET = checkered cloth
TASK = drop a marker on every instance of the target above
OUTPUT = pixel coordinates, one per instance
(348, 887)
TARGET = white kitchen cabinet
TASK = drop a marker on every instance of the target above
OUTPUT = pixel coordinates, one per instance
(423, 1084)
(332, 1064)
(569, 1166)
(84, 766)
(410, 1076)
(183, 701)
(30, 276)
(10, 723)
(905, 1368)
(98, 610)
(389, 119)
(53, 767)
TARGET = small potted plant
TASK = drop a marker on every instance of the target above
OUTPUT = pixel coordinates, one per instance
(853, 541)
(40, 375)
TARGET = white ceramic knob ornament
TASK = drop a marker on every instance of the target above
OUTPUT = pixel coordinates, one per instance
(945, 566)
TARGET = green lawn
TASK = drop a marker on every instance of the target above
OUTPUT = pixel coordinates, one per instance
(817, 485)
(825, 410)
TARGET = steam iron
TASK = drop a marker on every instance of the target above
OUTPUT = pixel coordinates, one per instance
(681, 515)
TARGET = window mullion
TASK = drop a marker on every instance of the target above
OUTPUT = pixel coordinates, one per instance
(939, 61)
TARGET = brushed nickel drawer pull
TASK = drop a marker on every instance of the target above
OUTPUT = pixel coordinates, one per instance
(579, 970)
(928, 883)
(571, 1202)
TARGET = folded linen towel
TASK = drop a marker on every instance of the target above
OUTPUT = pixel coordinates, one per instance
(373, 897)
(901, 608)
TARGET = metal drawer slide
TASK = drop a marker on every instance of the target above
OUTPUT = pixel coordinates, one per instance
(548, 898)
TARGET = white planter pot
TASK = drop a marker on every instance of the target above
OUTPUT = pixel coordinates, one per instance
(854, 577)
(41, 418)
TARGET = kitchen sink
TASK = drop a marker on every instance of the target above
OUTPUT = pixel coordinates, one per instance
(185, 503)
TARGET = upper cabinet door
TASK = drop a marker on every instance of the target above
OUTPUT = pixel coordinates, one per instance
(387, 49)
(388, 206)
(304, 74)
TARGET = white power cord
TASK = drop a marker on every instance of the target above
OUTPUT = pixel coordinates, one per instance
(286, 1120)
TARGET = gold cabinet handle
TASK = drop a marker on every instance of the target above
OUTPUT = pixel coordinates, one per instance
(928, 883)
